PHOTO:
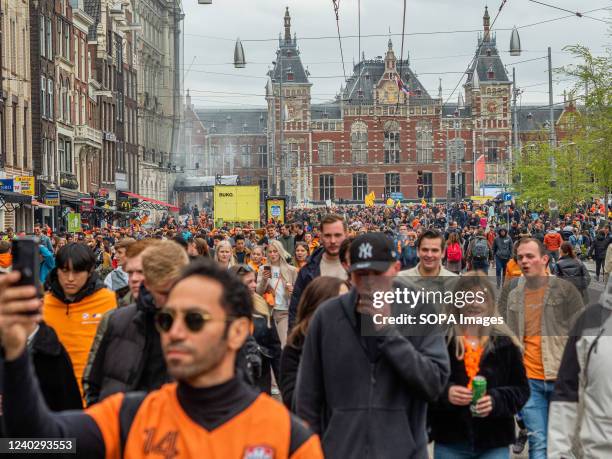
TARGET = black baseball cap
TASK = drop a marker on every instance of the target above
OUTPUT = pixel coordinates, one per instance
(372, 251)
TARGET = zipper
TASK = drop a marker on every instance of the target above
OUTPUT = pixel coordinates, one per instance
(370, 396)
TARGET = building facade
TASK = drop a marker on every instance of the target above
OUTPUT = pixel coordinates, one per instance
(15, 106)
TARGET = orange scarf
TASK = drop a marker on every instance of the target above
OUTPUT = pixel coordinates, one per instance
(471, 359)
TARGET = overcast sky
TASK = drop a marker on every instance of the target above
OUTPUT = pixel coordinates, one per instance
(211, 31)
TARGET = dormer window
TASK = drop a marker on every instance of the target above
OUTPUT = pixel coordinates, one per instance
(290, 74)
(418, 92)
(288, 53)
(488, 51)
(529, 116)
(491, 73)
(367, 75)
(360, 93)
(245, 127)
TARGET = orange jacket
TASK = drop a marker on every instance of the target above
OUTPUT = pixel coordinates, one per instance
(552, 241)
(76, 324)
(513, 269)
(6, 260)
(162, 428)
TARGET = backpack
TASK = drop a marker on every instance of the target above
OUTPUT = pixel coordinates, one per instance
(453, 252)
(481, 248)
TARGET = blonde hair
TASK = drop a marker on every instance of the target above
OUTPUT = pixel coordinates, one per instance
(225, 243)
(285, 268)
(163, 261)
(478, 280)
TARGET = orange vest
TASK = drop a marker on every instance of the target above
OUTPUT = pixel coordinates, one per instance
(76, 324)
(162, 429)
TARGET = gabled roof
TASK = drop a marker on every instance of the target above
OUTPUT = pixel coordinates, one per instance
(233, 121)
(368, 73)
(487, 57)
(289, 58)
(536, 118)
(329, 110)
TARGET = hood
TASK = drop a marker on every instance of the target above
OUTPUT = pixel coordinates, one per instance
(93, 284)
(503, 232)
(145, 301)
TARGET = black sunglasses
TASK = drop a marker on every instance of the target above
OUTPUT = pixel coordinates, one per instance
(194, 320)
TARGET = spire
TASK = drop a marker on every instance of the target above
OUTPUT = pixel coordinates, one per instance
(390, 59)
(460, 101)
(390, 44)
(486, 22)
(188, 99)
(475, 80)
(440, 89)
(287, 26)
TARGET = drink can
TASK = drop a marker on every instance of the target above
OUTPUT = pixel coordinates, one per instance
(479, 389)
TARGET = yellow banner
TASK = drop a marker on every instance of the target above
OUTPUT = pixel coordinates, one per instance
(24, 185)
(236, 204)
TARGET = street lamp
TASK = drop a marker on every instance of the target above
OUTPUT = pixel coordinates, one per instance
(205, 2)
(239, 60)
(515, 43)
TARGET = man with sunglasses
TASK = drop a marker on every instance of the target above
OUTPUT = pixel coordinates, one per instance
(205, 322)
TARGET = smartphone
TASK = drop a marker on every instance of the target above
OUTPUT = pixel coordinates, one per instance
(267, 268)
(26, 260)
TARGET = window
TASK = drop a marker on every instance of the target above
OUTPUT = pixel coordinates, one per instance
(326, 153)
(262, 157)
(66, 49)
(392, 183)
(43, 97)
(491, 151)
(424, 184)
(13, 46)
(60, 42)
(457, 180)
(49, 40)
(25, 137)
(424, 141)
(359, 143)
(50, 113)
(245, 151)
(14, 135)
(456, 150)
(326, 187)
(392, 143)
(43, 28)
(360, 186)
(62, 147)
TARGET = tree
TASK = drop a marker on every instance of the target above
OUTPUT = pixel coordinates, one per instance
(594, 129)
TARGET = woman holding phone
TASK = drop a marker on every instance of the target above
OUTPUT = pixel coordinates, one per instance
(275, 282)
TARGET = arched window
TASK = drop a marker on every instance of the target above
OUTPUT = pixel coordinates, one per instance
(424, 141)
(359, 142)
(392, 142)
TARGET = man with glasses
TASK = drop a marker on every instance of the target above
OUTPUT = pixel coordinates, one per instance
(205, 322)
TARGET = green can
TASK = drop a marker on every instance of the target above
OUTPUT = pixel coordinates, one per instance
(479, 389)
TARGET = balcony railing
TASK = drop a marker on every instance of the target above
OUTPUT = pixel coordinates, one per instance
(87, 134)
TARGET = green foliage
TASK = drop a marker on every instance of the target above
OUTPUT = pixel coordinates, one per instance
(579, 168)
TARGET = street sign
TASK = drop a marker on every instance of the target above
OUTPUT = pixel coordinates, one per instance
(6, 184)
(87, 204)
(397, 196)
(52, 198)
(507, 197)
(24, 185)
(74, 223)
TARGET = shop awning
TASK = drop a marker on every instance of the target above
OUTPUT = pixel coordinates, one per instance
(40, 205)
(150, 203)
(9, 200)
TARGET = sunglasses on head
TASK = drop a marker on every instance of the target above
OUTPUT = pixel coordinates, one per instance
(194, 320)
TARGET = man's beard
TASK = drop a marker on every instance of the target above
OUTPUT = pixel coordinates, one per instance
(207, 362)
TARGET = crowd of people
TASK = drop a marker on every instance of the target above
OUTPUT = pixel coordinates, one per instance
(186, 340)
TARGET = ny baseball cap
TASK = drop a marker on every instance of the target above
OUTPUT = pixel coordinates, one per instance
(372, 251)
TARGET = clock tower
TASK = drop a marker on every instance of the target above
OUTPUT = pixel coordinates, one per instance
(288, 98)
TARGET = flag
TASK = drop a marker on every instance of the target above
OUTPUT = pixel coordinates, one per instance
(400, 84)
(423, 202)
(390, 202)
(369, 199)
(480, 169)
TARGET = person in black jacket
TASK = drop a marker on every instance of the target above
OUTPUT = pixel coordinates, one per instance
(318, 291)
(598, 251)
(573, 270)
(53, 369)
(264, 332)
(324, 261)
(129, 356)
(366, 391)
(487, 428)
(502, 251)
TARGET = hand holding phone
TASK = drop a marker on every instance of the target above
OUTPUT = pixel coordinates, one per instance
(26, 260)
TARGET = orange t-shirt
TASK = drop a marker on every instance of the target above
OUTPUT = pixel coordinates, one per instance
(534, 305)
(161, 428)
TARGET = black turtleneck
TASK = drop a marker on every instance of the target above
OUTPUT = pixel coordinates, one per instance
(212, 406)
